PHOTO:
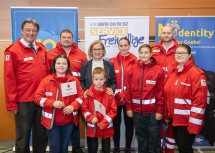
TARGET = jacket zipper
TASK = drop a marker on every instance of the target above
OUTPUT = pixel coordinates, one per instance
(141, 90)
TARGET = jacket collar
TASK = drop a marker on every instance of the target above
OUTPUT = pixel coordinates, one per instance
(73, 47)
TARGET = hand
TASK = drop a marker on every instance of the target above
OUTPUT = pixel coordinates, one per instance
(120, 96)
(68, 109)
(129, 113)
(167, 121)
(100, 126)
(85, 96)
(94, 120)
(14, 111)
(58, 104)
(158, 116)
(109, 91)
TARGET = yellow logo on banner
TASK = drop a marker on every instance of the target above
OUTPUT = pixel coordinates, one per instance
(110, 31)
(48, 41)
(187, 33)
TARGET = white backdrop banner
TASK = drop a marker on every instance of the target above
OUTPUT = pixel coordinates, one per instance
(110, 29)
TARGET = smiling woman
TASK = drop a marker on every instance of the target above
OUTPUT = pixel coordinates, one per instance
(186, 96)
(96, 52)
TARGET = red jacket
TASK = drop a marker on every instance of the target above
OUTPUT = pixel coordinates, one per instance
(165, 60)
(46, 95)
(23, 71)
(121, 64)
(144, 88)
(186, 93)
(88, 110)
(76, 58)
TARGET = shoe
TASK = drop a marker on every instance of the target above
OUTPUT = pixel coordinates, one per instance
(116, 150)
(77, 150)
(127, 150)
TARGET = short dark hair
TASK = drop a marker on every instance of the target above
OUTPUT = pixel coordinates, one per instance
(124, 38)
(66, 31)
(34, 22)
(145, 46)
(52, 69)
(185, 46)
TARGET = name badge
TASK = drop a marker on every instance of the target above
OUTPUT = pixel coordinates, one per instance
(28, 59)
(48, 93)
(156, 51)
(150, 82)
(68, 88)
(77, 61)
(116, 71)
(99, 107)
(185, 84)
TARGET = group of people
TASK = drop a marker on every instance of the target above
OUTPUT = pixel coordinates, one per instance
(47, 92)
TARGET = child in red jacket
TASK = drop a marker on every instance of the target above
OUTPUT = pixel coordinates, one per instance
(99, 110)
(144, 98)
(60, 95)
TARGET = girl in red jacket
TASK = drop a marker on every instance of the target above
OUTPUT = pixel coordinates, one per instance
(99, 110)
(60, 95)
(122, 61)
(186, 94)
(145, 100)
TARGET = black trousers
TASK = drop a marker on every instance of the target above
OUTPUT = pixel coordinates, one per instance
(27, 118)
(92, 144)
(129, 128)
(183, 139)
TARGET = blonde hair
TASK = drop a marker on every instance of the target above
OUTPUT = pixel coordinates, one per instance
(99, 70)
(90, 55)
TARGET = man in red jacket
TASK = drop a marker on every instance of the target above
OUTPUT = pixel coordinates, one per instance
(76, 57)
(163, 52)
(24, 68)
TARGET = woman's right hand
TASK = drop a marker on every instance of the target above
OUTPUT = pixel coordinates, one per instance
(58, 104)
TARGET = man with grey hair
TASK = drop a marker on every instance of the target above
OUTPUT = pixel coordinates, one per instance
(24, 68)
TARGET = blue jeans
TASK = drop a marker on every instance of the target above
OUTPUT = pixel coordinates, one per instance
(147, 131)
(59, 137)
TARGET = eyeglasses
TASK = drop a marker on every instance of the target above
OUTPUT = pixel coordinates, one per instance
(181, 53)
(97, 49)
(30, 30)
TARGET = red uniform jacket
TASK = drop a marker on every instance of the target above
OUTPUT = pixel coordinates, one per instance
(88, 110)
(76, 58)
(186, 93)
(46, 95)
(121, 64)
(165, 60)
(23, 71)
(144, 88)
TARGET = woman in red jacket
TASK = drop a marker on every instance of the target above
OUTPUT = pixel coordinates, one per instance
(186, 94)
(145, 100)
(60, 95)
(99, 110)
(122, 61)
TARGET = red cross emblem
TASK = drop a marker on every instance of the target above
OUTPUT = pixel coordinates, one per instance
(68, 86)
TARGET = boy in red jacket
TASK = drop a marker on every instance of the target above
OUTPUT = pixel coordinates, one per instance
(145, 100)
(99, 110)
